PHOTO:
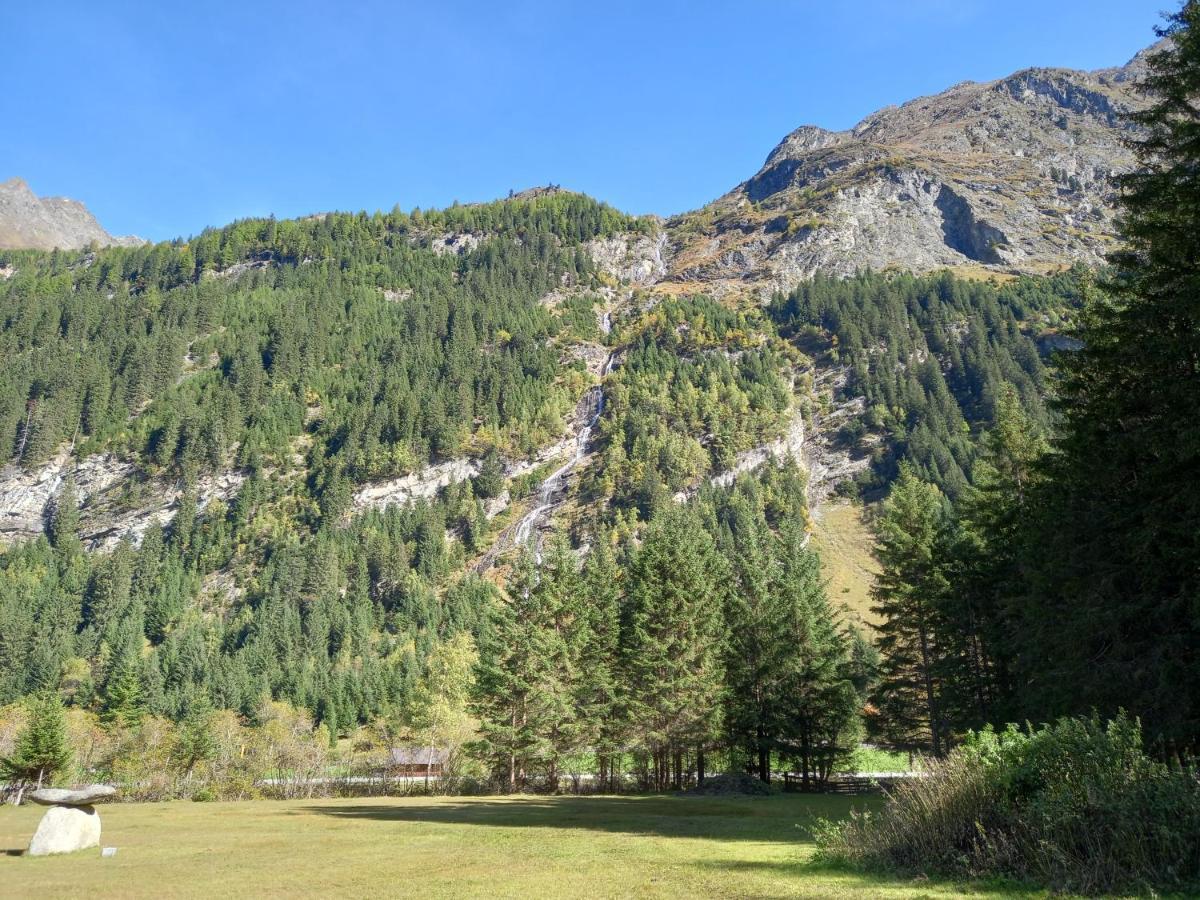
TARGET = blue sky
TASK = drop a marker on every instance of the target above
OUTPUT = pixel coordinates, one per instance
(166, 117)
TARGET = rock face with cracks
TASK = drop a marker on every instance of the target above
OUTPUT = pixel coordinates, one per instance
(1012, 175)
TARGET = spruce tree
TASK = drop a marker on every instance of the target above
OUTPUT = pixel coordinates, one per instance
(63, 522)
(597, 683)
(123, 705)
(673, 643)
(1111, 618)
(522, 695)
(760, 639)
(983, 564)
(906, 592)
(41, 751)
(820, 706)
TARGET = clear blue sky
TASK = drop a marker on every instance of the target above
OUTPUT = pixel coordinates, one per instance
(165, 117)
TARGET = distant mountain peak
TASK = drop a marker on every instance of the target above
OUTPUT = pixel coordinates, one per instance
(30, 222)
(1013, 175)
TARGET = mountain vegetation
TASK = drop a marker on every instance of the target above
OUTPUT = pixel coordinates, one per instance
(503, 481)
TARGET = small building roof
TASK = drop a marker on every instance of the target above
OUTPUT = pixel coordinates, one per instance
(419, 756)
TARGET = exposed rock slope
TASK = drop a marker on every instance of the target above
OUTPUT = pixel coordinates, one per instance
(1013, 174)
(29, 222)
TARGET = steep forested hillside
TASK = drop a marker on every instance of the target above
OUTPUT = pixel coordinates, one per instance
(307, 356)
(921, 360)
(396, 405)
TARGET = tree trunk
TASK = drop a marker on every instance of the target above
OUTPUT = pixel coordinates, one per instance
(935, 725)
(512, 755)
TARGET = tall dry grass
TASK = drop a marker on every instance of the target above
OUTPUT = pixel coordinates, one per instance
(1075, 806)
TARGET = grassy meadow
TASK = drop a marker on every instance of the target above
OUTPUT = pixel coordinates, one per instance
(844, 539)
(453, 847)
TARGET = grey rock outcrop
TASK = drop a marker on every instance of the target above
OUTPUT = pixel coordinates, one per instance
(116, 501)
(1014, 174)
(30, 222)
(638, 259)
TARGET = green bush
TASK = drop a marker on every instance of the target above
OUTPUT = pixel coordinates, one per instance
(1075, 806)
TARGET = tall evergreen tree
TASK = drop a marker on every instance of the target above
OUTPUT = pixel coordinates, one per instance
(597, 682)
(522, 697)
(822, 721)
(760, 639)
(983, 563)
(906, 592)
(1112, 619)
(41, 751)
(123, 704)
(673, 643)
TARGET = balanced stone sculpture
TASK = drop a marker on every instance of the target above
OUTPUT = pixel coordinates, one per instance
(72, 822)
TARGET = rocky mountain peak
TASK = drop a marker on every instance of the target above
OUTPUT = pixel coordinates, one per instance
(1013, 174)
(29, 222)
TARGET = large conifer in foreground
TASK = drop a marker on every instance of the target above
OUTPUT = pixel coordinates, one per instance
(906, 593)
(1116, 620)
(673, 643)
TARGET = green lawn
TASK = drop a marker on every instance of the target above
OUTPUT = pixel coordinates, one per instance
(451, 847)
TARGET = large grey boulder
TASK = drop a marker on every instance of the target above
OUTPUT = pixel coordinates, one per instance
(65, 829)
(72, 822)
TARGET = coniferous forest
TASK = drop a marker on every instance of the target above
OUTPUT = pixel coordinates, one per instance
(615, 588)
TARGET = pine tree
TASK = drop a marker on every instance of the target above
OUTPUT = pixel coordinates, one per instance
(906, 592)
(597, 684)
(521, 696)
(982, 561)
(820, 704)
(1111, 618)
(63, 529)
(122, 703)
(41, 751)
(673, 643)
(757, 619)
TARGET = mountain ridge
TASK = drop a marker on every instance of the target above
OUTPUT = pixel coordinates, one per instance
(30, 222)
(1011, 175)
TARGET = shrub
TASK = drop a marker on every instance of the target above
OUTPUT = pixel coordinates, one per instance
(737, 783)
(1076, 806)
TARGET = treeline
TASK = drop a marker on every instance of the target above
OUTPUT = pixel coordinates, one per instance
(707, 645)
(1066, 580)
(929, 355)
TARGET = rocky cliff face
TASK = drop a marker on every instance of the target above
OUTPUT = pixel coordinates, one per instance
(1014, 174)
(29, 222)
(115, 501)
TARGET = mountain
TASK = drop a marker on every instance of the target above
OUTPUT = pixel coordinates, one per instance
(1012, 175)
(271, 460)
(30, 222)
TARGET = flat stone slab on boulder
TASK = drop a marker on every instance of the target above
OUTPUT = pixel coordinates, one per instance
(65, 829)
(84, 796)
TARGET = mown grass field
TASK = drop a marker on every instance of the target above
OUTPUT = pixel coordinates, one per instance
(453, 847)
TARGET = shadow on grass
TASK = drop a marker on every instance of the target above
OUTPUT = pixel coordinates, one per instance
(764, 819)
(807, 868)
